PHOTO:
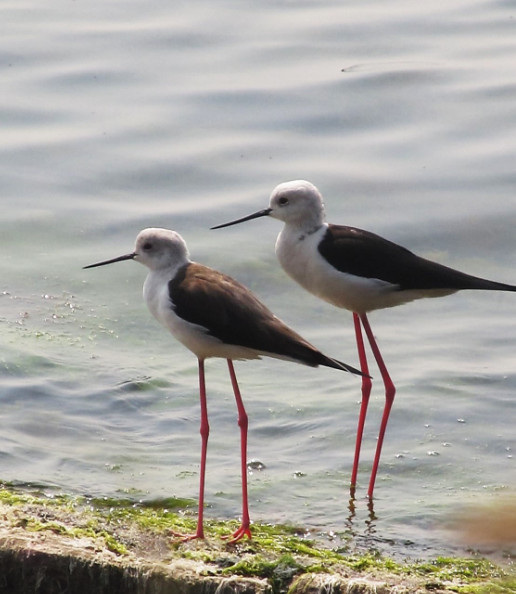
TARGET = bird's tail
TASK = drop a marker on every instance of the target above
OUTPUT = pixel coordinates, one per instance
(335, 364)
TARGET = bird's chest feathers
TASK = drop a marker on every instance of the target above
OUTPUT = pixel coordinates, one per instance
(194, 336)
(298, 255)
(156, 295)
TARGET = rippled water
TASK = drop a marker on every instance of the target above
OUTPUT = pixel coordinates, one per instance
(124, 115)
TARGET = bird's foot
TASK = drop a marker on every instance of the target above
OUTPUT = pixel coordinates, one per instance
(244, 530)
(187, 537)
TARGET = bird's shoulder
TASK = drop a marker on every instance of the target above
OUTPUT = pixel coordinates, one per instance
(341, 237)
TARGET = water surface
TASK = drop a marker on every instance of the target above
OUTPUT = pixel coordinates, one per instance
(121, 116)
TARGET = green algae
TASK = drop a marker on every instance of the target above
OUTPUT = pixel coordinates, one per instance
(448, 569)
(279, 572)
(90, 531)
(502, 586)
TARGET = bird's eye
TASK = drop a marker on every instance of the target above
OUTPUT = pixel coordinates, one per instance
(282, 201)
(147, 246)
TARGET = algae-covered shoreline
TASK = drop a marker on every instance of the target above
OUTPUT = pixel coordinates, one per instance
(74, 544)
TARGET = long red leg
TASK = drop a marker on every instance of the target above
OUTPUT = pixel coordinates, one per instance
(205, 432)
(390, 392)
(244, 529)
(366, 391)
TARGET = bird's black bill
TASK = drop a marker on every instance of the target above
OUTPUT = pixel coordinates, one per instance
(255, 215)
(119, 259)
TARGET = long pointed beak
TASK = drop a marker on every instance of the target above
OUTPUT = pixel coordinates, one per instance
(119, 259)
(255, 215)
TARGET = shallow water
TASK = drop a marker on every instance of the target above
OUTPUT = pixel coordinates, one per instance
(121, 116)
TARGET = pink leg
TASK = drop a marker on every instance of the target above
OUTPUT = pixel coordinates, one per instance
(244, 529)
(366, 391)
(390, 392)
(205, 432)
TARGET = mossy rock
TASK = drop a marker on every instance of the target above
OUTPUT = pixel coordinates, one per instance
(73, 544)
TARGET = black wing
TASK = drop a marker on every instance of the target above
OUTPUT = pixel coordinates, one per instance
(365, 254)
(231, 313)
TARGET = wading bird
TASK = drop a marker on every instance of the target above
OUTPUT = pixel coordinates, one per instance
(359, 271)
(215, 316)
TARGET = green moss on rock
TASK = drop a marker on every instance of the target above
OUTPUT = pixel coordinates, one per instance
(122, 545)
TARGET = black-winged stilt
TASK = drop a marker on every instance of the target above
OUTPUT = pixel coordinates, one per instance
(359, 271)
(215, 316)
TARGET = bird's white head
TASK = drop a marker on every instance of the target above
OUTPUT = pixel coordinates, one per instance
(158, 249)
(298, 203)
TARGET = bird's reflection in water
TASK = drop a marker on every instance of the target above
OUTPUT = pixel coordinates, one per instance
(370, 521)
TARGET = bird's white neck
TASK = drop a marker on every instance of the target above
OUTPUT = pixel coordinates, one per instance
(295, 247)
(304, 225)
(155, 288)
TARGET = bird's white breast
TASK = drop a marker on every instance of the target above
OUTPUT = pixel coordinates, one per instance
(299, 256)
